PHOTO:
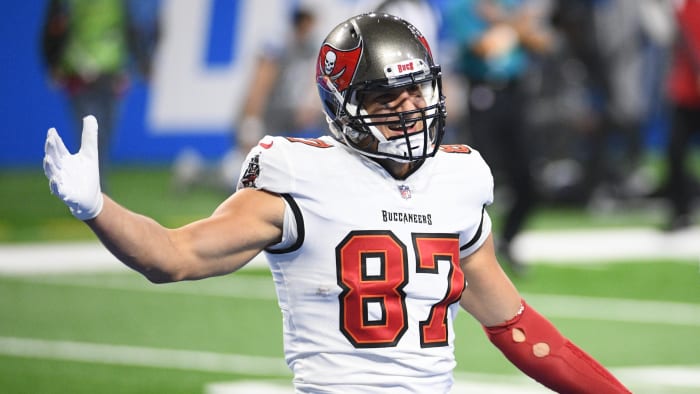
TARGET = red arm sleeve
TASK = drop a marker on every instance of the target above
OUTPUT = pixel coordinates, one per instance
(537, 348)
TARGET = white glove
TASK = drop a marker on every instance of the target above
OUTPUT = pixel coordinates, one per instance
(75, 179)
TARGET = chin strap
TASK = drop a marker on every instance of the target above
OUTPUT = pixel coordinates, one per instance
(537, 348)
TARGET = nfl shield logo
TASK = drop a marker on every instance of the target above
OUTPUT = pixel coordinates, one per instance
(405, 192)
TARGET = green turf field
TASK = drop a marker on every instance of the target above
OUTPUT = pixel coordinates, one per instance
(114, 332)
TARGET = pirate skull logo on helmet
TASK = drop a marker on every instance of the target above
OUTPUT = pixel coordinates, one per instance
(329, 62)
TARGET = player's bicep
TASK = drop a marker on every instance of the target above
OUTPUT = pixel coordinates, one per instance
(238, 230)
(490, 296)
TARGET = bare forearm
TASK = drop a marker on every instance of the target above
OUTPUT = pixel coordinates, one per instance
(137, 241)
(238, 230)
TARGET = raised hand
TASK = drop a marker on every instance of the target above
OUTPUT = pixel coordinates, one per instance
(75, 178)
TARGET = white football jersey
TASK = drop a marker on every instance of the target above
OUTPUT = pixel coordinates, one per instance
(369, 282)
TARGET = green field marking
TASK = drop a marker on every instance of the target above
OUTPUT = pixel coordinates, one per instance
(616, 309)
(658, 280)
(167, 320)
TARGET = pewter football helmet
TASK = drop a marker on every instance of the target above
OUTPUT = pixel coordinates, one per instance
(370, 53)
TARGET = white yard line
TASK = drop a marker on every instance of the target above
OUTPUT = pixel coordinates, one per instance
(262, 288)
(617, 309)
(646, 379)
(43, 258)
(550, 247)
(143, 356)
(605, 245)
(464, 383)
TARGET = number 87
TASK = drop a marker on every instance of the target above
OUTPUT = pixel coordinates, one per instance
(372, 270)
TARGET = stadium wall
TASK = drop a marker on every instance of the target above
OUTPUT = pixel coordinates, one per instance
(201, 74)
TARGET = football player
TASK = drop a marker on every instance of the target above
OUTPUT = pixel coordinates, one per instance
(375, 235)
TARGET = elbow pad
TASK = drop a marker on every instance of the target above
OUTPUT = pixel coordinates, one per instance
(537, 348)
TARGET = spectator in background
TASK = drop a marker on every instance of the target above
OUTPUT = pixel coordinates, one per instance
(88, 47)
(494, 42)
(281, 100)
(144, 33)
(684, 98)
(609, 38)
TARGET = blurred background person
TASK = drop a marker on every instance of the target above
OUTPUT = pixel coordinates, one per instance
(684, 100)
(90, 48)
(620, 48)
(494, 42)
(281, 100)
(145, 30)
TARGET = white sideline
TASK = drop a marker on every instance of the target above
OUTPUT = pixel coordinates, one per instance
(547, 247)
(604, 245)
(143, 356)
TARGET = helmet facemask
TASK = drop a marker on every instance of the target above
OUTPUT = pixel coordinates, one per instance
(396, 58)
(427, 121)
(358, 129)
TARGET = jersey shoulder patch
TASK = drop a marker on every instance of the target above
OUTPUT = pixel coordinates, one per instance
(456, 148)
(275, 161)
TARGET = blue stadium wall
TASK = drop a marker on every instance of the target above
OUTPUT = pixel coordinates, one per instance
(201, 74)
(200, 78)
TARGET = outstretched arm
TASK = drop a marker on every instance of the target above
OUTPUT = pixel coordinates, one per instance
(237, 231)
(524, 336)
